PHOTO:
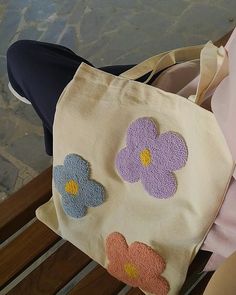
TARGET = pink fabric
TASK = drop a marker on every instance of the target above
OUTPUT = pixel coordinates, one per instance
(224, 99)
(221, 239)
(180, 78)
(214, 262)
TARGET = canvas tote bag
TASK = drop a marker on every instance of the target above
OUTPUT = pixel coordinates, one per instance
(139, 174)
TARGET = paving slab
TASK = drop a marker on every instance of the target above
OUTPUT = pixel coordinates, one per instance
(106, 32)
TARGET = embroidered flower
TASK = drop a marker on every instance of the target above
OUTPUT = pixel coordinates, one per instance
(137, 265)
(77, 190)
(152, 158)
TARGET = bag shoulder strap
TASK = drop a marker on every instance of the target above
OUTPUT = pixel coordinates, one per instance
(213, 66)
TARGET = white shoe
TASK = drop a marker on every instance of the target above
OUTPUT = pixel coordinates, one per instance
(17, 95)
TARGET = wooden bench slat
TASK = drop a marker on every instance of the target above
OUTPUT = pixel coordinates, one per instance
(201, 286)
(24, 249)
(223, 40)
(97, 282)
(135, 291)
(54, 273)
(199, 262)
(20, 207)
(195, 269)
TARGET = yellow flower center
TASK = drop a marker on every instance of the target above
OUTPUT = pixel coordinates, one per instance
(145, 157)
(131, 270)
(72, 187)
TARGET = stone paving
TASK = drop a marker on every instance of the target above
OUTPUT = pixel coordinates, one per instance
(103, 31)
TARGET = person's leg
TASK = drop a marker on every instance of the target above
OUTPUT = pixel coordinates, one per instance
(39, 72)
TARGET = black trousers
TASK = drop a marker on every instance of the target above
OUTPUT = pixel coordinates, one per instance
(40, 71)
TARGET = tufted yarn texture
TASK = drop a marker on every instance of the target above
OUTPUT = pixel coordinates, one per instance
(152, 158)
(137, 265)
(76, 189)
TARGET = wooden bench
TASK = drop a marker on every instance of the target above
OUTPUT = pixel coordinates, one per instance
(34, 260)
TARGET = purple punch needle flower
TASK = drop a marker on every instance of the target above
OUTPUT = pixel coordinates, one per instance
(152, 158)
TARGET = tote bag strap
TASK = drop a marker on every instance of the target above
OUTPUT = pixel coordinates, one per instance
(162, 61)
(213, 66)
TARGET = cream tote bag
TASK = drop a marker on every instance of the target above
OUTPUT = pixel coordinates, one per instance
(139, 174)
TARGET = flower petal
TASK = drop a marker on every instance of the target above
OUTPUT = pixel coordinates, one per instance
(117, 253)
(59, 178)
(172, 151)
(76, 167)
(116, 248)
(159, 183)
(150, 265)
(73, 206)
(92, 193)
(141, 132)
(156, 285)
(127, 165)
(147, 260)
(144, 265)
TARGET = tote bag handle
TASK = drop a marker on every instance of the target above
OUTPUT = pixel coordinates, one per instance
(213, 66)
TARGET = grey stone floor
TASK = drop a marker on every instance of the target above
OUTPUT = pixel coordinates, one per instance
(104, 31)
